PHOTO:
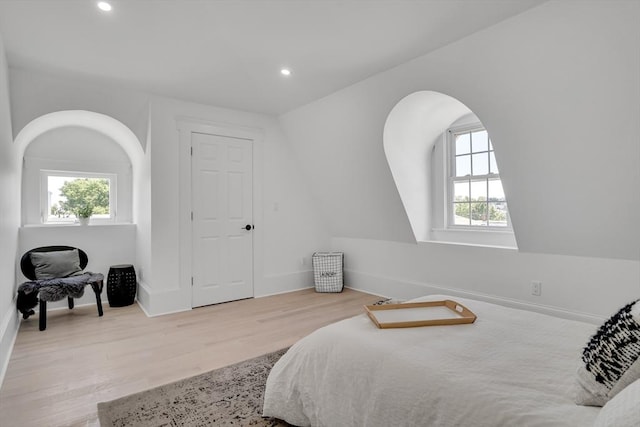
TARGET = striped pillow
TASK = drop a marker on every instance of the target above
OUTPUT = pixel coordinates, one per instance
(611, 359)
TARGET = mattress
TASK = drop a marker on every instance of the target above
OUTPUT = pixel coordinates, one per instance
(509, 368)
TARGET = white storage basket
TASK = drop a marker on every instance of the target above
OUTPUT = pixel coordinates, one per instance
(327, 271)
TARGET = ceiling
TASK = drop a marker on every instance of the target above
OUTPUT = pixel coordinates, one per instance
(229, 53)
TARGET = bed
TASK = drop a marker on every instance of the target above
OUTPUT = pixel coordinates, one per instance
(509, 368)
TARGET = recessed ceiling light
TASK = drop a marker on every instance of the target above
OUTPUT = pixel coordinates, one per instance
(285, 72)
(103, 5)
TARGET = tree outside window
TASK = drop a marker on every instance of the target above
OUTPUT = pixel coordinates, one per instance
(83, 195)
(69, 197)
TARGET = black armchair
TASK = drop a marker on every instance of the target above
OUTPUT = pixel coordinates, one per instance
(29, 269)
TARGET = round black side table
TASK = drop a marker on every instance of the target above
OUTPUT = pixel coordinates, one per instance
(121, 285)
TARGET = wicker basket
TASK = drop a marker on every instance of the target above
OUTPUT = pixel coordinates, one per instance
(327, 271)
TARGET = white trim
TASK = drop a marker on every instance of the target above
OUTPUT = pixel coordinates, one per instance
(368, 292)
(290, 281)
(71, 224)
(185, 126)
(274, 284)
(8, 334)
(406, 289)
(450, 179)
(469, 127)
(285, 292)
(144, 310)
(167, 301)
(44, 190)
(466, 243)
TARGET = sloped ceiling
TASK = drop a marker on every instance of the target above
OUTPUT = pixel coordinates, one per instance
(229, 53)
(557, 88)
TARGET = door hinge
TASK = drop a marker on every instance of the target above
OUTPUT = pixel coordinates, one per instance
(192, 151)
(191, 215)
(192, 281)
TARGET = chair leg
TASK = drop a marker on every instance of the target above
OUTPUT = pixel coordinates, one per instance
(97, 288)
(43, 315)
(70, 301)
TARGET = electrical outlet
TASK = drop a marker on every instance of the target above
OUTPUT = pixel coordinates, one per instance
(303, 261)
(536, 288)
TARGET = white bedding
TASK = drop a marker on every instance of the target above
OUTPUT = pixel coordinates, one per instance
(510, 368)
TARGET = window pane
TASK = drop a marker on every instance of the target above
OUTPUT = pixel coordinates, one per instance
(463, 165)
(68, 195)
(493, 166)
(480, 164)
(498, 214)
(479, 141)
(461, 214)
(479, 213)
(479, 190)
(463, 145)
(477, 198)
(496, 193)
(461, 191)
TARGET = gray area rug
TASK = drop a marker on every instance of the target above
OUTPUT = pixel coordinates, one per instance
(229, 396)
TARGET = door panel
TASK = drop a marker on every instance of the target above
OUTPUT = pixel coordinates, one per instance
(222, 207)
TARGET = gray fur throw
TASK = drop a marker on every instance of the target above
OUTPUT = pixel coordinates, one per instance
(60, 288)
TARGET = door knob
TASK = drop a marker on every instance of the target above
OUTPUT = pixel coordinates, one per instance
(248, 227)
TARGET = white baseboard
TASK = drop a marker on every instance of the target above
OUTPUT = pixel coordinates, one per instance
(284, 292)
(8, 333)
(404, 289)
(156, 303)
(275, 284)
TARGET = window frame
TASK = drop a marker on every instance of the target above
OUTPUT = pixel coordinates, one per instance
(44, 193)
(451, 179)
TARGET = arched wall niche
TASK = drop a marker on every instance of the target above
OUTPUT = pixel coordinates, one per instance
(411, 131)
(414, 139)
(111, 128)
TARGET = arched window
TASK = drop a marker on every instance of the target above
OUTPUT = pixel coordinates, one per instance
(443, 163)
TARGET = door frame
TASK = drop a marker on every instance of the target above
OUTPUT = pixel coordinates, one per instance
(185, 126)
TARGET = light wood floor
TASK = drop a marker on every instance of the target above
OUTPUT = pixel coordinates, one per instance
(56, 377)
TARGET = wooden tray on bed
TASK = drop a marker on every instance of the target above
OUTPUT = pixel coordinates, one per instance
(412, 314)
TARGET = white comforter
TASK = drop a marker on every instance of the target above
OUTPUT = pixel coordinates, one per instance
(510, 368)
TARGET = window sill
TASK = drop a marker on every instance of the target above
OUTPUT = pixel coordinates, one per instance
(74, 224)
(491, 238)
(462, 229)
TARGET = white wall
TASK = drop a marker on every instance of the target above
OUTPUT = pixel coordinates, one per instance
(556, 86)
(576, 287)
(34, 94)
(9, 221)
(142, 205)
(290, 228)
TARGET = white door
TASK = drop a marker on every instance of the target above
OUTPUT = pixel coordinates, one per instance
(221, 180)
